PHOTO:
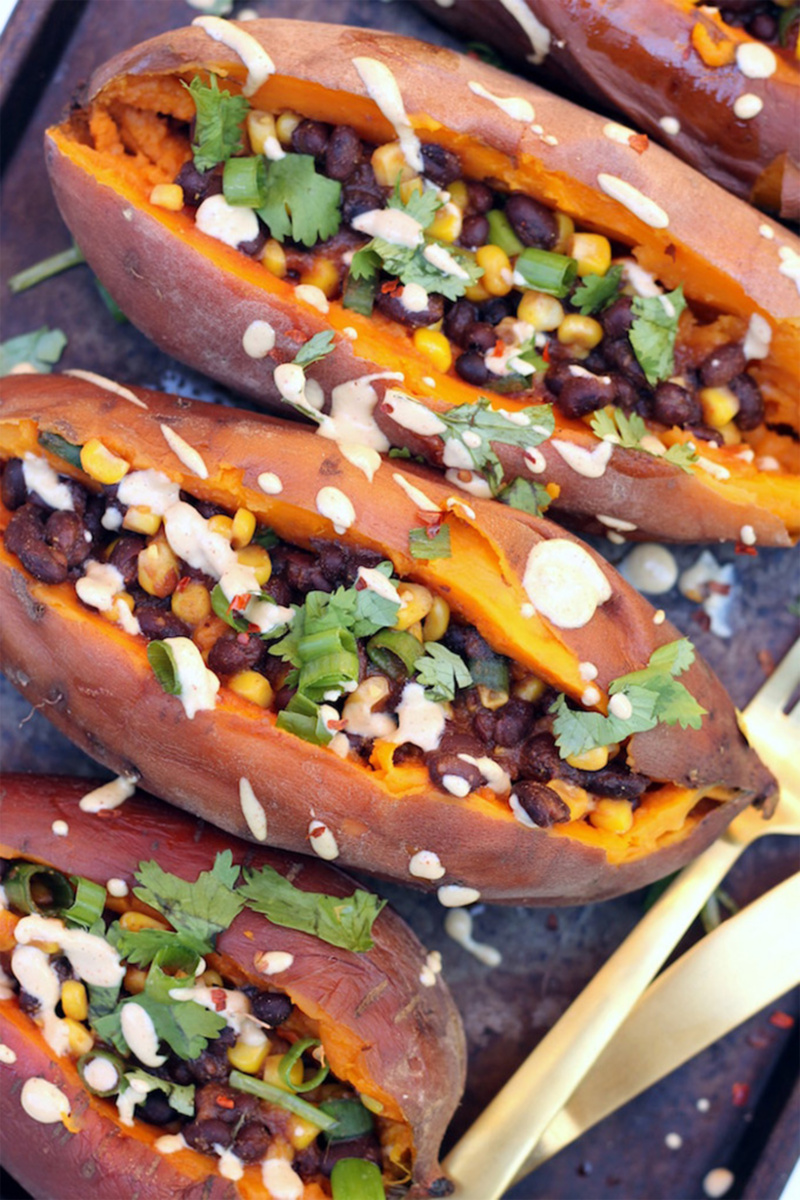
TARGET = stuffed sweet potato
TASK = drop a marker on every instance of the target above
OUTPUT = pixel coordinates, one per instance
(371, 187)
(718, 85)
(458, 696)
(189, 1044)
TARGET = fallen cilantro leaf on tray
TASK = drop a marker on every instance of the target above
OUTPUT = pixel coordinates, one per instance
(41, 350)
(340, 921)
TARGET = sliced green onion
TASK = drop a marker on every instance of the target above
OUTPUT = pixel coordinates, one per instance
(359, 294)
(301, 717)
(422, 545)
(90, 900)
(116, 1062)
(45, 269)
(244, 181)
(501, 234)
(275, 1095)
(162, 660)
(110, 303)
(352, 1119)
(61, 448)
(386, 646)
(489, 672)
(32, 888)
(322, 644)
(545, 271)
(357, 1179)
(291, 1057)
(222, 608)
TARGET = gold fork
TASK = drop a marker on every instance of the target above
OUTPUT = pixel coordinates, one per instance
(491, 1153)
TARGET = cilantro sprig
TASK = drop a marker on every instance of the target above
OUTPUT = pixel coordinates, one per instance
(441, 672)
(526, 427)
(653, 332)
(526, 495)
(655, 696)
(300, 203)
(315, 349)
(41, 349)
(597, 292)
(627, 430)
(218, 123)
(339, 921)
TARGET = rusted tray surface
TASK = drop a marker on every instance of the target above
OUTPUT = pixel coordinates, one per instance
(48, 50)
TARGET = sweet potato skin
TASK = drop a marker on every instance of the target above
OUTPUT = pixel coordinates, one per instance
(96, 685)
(411, 1044)
(173, 287)
(638, 58)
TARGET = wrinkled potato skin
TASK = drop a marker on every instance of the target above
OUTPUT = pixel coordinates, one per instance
(174, 288)
(412, 1043)
(94, 682)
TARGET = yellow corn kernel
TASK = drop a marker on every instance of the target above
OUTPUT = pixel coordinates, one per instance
(731, 435)
(389, 164)
(167, 195)
(243, 528)
(135, 980)
(260, 127)
(207, 632)
(459, 193)
(417, 603)
(492, 698)
(496, 267)
(370, 1103)
(252, 686)
(566, 228)
(222, 524)
(302, 1133)
(577, 330)
(47, 947)
(434, 627)
(591, 760)
(256, 557)
(79, 1038)
(576, 798)
(285, 126)
(476, 292)
(530, 688)
(324, 274)
(435, 347)
(210, 979)
(99, 463)
(74, 1000)
(133, 921)
(273, 257)
(158, 570)
(613, 816)
(269, 1072)
(411, 187)
(139, 519)
(112, 614)
(720, 405)
(591, 251)
(248, 1058)
(416, 631)
(191, 603)
(543, 312)
(446, 225)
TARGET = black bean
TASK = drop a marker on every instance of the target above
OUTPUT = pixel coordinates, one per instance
(513, 722)
(366, 1146)
(252, 1142)
(311, 137)
(706, 433)
(533, 224)
(273, 1008)
(300, 569)
(198, 185)
(204, 507)
(158, 623)
(439, 165)
(125, 556)
(27, 1003)
(540, 759)
(442, 763)
(479, 336)
(458, 319)
(480, 198)
(720, 366)
(339, 564)
(673, 405)
(361, 193)
(156, 1109)
(496, 309)
(763, 27)
(471, 368)
(616, 781)
(62, 968)
(626, 396)
(555, 377)
(343, 153)
(204, 1135)
(474, 231)
(24, 537)
(212, 1067)
(751, 402)
(619, 353)
(65, 531)
(14, 490)
(618, 317)
(235, 652)
(255, 245)
(544, 806)
(391, 305)
(582, 394)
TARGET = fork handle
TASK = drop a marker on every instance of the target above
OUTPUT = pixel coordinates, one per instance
(488, 1156)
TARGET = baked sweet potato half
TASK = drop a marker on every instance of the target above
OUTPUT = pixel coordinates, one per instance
(718, 85)
(458, 696)
(463, 243)
(163, 1036)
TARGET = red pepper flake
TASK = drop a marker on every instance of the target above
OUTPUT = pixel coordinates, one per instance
(781, 1020)
(740, 1094)
(499, 347)
(546, 352)
(742, 549)
(701, 618)
(390, 287)
(239, 603)
(183, 583)
(758, 1041)
(719, 589)
(225, 1101)
(639, 142)
(218, 998)
(318, 830)
(431, 520)
(766, 662)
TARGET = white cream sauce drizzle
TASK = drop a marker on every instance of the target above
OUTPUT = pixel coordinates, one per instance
(109, 795)
(92, 958)
(421, 721)
(252, 810)
(331, 502)
(426, 864)
(458, 926)
(564, 583)
(635, 201)
(322, 840)
(31, 968)
(198, 686)
(40, 477)
(382, 87)
(515, 107)
(591, 464)
(107, 385)
(415, 494)
(191, 458)
(259, 64)
(538, 34)
(43, 1101)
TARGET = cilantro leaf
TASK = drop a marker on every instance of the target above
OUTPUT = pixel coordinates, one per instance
(108, 1027)
(597, 291)
(102, 1000)
(180, 1096)
(653, 332)
(185, 1026)
(681, 454)
(41, 349)
(577, 732)
(300, 203)
(373, 611)
(141, 946)
(422, 206)
(526, 495)
(315, 348)
(441, 672)
(613, 425)
(526, 427)
(199, 910)
(218, 124)
(365, 263)
(345, 922)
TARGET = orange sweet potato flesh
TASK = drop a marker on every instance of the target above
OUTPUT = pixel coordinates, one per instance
(101, 691)
(175, 282)
(383, 1031)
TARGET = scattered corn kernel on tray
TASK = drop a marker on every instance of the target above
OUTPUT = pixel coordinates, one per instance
(729, 1108)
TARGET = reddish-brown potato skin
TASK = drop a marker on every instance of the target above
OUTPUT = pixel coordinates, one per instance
(173, 291)
(411, 1040)
(96, 685)
(636, 56)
